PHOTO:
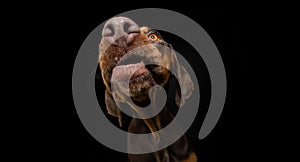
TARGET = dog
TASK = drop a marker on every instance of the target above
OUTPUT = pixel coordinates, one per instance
(120, 38)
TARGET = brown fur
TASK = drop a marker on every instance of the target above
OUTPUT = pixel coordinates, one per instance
(109, 57)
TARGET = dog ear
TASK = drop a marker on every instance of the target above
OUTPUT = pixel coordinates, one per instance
(184, 84)
(112, 107)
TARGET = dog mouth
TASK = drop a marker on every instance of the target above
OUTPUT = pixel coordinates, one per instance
(132, 74)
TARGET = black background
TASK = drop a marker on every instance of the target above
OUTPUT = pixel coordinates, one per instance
(229, 138)
(58, 132)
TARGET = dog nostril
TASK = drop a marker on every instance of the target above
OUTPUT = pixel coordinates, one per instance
(108, 31)
(126, 27)
(133, 29)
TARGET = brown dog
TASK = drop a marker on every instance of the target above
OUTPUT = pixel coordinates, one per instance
(120, 37)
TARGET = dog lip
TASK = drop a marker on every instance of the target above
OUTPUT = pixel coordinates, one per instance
(140, 71)
(123, 72)
(133, 77)
(132, 59)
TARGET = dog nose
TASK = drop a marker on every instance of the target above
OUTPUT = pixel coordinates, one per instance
(120, 31)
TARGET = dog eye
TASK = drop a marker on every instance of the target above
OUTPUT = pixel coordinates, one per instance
(153, 37)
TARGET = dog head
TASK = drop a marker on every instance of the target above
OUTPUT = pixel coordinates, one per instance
(124, 49)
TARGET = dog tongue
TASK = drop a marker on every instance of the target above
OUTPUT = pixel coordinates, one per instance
(125, 72)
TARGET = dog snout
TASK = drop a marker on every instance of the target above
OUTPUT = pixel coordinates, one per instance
(120, 31)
